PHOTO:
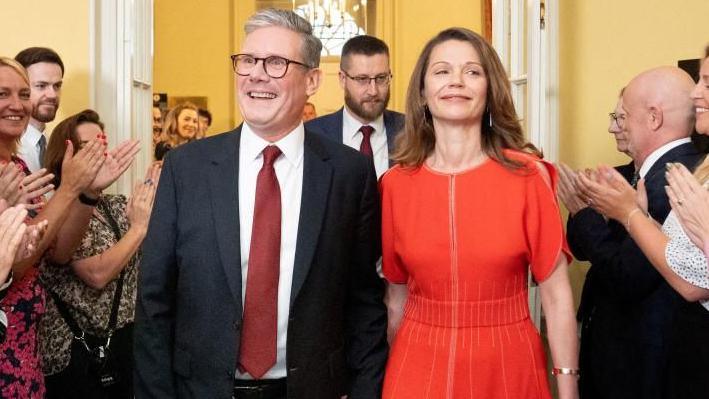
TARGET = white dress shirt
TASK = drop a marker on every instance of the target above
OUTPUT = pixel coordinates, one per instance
(658, 153)
(352, 137)
(29, 148)
(289, 171)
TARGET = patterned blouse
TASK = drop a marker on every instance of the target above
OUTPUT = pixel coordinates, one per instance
(685, 258)
(20, 372)
(89, 307)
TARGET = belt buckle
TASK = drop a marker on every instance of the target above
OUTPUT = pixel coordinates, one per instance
(249, 392)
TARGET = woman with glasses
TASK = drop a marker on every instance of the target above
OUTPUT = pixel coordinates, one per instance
(678, 249)
(467, 211)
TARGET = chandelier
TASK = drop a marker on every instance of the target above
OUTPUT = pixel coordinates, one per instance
(332, 13)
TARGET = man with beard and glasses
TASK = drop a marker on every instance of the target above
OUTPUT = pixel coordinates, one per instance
(46, 71)
(364, 123)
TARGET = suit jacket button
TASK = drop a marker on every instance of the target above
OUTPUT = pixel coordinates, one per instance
(292, 370)
(237, 325)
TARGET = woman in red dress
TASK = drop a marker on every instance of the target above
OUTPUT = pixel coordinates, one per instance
(466, 212)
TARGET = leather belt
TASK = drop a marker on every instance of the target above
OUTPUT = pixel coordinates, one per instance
(260, 389)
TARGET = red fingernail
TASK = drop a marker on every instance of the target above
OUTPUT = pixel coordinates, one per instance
(98, 136)
(67, 142)
(105, 154)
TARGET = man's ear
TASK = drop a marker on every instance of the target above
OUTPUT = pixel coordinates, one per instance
(313, 78)
(342, 78)
(655, 117)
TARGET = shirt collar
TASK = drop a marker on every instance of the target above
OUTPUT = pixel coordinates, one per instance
(351, 125)
(291, 145)
(31, 135)
(658, 153)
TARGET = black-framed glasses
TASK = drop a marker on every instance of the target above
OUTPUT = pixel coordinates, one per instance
(619, 119)
(364, 80)
(274, 66)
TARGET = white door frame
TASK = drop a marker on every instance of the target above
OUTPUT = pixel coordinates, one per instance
(537, 72)
(121, 62)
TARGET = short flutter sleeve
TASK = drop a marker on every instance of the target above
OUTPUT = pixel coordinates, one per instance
(542, 221)
(392, 267)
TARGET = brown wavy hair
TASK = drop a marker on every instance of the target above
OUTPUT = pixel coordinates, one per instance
(417, 141)
(169, 133)
(66, 130)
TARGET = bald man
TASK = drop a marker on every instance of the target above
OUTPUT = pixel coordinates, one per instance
(627, 327)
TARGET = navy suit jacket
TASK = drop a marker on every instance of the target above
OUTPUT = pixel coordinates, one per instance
(330, 125)
(627, 306)
(189, 307)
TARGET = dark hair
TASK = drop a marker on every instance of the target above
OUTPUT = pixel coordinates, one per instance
(205, 114)
(66, 130)
(706, 51)
(417, 140)
(35, 55)
(363, 45)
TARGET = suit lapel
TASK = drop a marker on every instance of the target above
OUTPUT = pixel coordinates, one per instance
(224, 188)
(317, 178)
(671, 155)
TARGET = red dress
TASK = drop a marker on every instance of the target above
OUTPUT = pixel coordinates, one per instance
(463, 243)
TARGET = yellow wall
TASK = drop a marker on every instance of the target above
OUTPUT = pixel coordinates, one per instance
(412, 24)
(193, 43)
(602, 45)
(62, 26)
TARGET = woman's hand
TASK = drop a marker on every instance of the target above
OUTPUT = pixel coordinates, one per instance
(12, 231)
(35, 186)
(11, 176)
(80, 169)
(690, 201)
(140, 204)
(117, 162)
(608, 193)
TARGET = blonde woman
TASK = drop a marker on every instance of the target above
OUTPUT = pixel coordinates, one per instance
(179, 127)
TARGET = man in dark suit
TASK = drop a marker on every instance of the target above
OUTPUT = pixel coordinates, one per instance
(258, 275)
(604, 325)
(627, 306)
(364, 123)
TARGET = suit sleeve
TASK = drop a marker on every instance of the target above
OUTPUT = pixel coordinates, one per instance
(617, 263)
(155, 307)
(366, 314)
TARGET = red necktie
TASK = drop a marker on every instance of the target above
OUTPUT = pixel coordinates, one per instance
(258, 337)
(366, 146)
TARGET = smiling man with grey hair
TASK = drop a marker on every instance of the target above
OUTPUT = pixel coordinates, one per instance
(258, 277)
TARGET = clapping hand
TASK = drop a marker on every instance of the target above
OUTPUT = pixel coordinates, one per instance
(117, 162)
(140, 204)
(12, 232)
(690, 201)
(11, 176)
(80, 169)
(567, 190)
(35, 186)
(608, 193)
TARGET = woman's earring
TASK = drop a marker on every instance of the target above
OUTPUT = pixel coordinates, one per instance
(489, 116)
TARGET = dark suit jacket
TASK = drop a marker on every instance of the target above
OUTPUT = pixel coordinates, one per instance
(627, 306)
(330, 125)
(189, 308)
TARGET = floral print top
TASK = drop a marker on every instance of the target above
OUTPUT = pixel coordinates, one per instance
(20, 371)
